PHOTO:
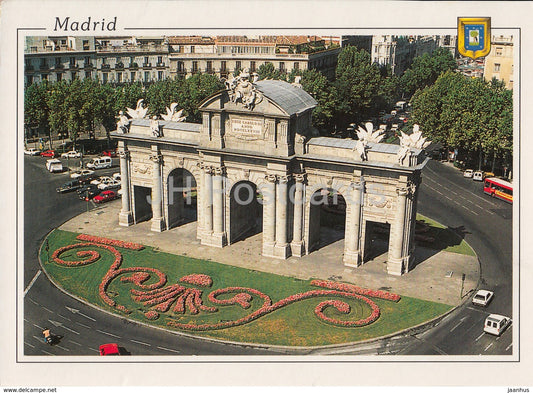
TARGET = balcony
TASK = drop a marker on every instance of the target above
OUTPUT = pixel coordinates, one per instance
(133, 66)
(106, 66)
(161, 64)
(29, 68)
(43, 66)
(73, 66)
(119, 66)
(58, 66)
(147, 65)
(88, 65)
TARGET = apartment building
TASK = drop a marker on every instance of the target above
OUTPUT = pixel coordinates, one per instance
(223, 55)
(499, 62)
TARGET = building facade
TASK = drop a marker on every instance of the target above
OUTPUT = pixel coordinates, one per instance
(257, 166)
(499, 62)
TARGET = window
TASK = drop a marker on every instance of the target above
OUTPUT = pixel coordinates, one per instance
(72, 61)
(159, 59)
(104, 60)
(105, 77)
(119, 77)
(237, 65)
(499, 51)
(223, 66)
(209, 66)
(59, 76)
(87, 60)
(146, 76)
(181, 66)
(496, 67)
(252, 66)
(195, 66)
(192, 49)
(58, 61)
(159, 75)
(282, 66)
(88, 75)
(296, 65)
(73, 75)
(145, 59)
(132, 76)
(30, 79)
(44, 77)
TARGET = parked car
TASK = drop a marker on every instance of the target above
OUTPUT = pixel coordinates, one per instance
(88, 192)
(109, 349)
(105, 196)
(109, 153)
(468, 173)
(81, 173)
(496, 324)
(100, 163)
(54, 165)
(482, 298)
(71, 154)
(116, 176)
(86, 179)
(478, 176)
(49, 153)
(32, 152)
(101, 179)
(69, 186)
(109, 185)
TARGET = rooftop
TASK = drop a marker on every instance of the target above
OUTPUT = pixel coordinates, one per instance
(290, 98)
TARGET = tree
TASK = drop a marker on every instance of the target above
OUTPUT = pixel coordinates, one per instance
(195, 89)
(36, 109)
(426, 69)
(267, 71)
(357, 85)
(56, 100)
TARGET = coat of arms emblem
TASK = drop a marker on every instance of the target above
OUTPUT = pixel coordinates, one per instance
(473, 36)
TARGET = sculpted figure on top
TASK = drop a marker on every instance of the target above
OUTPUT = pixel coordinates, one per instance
(172, 114)
(139, 112)
(415, 140)
(241, 89)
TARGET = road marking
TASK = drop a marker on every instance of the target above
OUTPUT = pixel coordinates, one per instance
(95, 350)
(25, 320)
(109, 334)
(75, 343)
(28, 344)
(488, 346)
(85, 326)
(37, 326)
(59, 346)
(47, 352)
(168, 349)
(475, 309)
(63, 326)
(140, 342)
(38, 338)
(456, 326)
(32, 281)
(481, 335)
(64, 317)
(75, 311)
(509, 346)
(47, 309)
(33, 301)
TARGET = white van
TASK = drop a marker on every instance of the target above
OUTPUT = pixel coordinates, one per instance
(100, 163)
(478, 176)
(496, 324)
(54, 165)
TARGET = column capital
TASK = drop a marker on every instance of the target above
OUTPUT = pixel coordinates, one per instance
(156, 158)
(124, 154)
(402, 191)
(300, 177)
(219, 170)
(284, 179)
(271, 178)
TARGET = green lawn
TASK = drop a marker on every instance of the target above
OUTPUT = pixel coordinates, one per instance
(295, 324)
(445, 239)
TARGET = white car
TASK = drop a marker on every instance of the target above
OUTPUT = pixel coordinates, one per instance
(71, 154)
(495, 324)
(83, 172)
(32, 152)
(116, 176)
(109, 184)
(102, 179)
(54, 165)
(482, 298)
(468, 173)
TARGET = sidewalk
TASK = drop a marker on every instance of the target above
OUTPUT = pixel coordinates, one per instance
(428, 280)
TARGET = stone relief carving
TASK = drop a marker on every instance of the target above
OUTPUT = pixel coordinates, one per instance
(241, 89)
(172, 114)
(142, 169)
(139, 112)
(123, 124)
(380, 201)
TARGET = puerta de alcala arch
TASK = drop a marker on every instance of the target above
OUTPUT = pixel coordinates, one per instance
(260, 134)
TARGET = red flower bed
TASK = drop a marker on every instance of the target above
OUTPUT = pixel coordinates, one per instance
(110, 242)
(355, 289)
(202, 280)
(151, 315)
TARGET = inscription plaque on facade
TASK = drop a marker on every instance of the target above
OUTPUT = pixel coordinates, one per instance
(247, 128)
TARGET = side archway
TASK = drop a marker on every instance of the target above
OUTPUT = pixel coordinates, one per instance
(246, 211)
(182, 192)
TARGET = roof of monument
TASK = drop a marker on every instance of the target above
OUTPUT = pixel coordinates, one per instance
(171, 125)
(346, 143)
(290, 98)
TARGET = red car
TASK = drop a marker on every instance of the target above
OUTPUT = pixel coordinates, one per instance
(49, 153)
(109, 153)
(109, 349)
(105, 196)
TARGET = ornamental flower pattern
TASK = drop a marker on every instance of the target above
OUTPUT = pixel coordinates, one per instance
(150, 290)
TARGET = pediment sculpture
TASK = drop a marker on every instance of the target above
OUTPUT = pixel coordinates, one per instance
(241, 89)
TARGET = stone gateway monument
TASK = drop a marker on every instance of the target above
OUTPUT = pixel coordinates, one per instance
(256, 164)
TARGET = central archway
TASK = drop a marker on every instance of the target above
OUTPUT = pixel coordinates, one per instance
(246, 211)
(327, 218)
(182, 204)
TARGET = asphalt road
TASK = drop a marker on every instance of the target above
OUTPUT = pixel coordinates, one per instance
(445, 195)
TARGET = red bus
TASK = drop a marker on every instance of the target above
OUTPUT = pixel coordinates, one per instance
(498, 188)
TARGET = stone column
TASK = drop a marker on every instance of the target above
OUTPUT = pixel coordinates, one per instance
(157, 200)
(219, 234)
(269, 216)
(282, 248)
(208, 200)
(352, 239)
(125, 217)
(297, 245)
(395, 263)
